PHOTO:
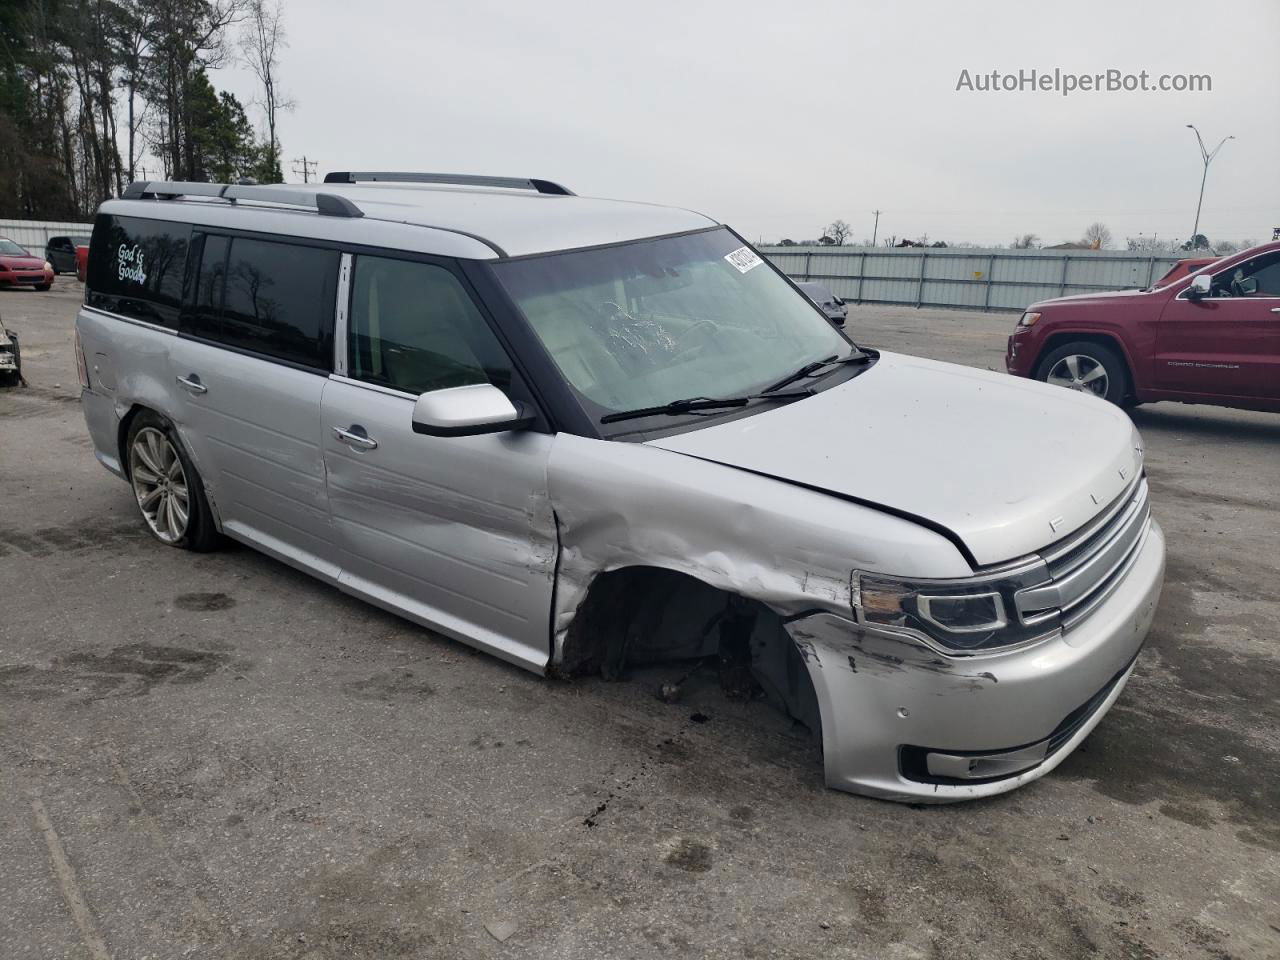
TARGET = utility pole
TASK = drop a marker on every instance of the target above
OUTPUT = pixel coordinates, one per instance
(1207, 156)
(308, 168)
(876, 229)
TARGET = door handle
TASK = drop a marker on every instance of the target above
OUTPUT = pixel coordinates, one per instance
(192, 383)
(1275, 309)
(360, 440)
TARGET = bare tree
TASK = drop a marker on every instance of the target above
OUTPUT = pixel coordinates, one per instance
(838, 231)
(1025, 242)
(261, 42)
(135, 45)
(1098, 236)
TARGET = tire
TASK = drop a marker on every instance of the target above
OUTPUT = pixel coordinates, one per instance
(1087, 367)
(166, 485)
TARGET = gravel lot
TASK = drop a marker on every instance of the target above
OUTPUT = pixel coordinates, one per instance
(215, 756)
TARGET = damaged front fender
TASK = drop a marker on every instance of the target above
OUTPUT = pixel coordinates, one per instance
(621, 505)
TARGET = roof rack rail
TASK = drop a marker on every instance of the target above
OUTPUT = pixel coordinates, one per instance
(458, 179)
(326, 204)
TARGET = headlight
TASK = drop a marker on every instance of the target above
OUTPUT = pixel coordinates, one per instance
(1028, 319)
(48, 265)
(957, 616)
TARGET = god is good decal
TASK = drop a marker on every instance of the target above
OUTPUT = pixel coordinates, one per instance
(129, 264)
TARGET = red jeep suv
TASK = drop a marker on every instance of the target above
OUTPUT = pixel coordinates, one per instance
(1209, 337)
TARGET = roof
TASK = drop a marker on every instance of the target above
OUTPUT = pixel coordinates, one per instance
(470, 222)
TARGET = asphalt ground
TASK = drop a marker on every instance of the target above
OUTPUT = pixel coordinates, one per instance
(216, 756)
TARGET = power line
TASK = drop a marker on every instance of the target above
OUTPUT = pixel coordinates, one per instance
(308, 168)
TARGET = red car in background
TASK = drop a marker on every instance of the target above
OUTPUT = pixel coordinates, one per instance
(1210, 337)
(1183, 268)
(19, 268)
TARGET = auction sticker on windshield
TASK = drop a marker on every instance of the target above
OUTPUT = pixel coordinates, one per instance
(743, 259)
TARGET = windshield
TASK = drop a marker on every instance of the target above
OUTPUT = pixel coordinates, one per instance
(647, 323)
(12, 249)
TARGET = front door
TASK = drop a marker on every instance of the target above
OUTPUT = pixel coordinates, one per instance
(1226, 344)
(454, 532)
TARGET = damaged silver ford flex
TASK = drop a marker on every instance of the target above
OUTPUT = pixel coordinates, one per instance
(581, 434)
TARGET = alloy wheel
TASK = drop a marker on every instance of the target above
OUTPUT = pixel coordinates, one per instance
(1079, 372)
(160, 484)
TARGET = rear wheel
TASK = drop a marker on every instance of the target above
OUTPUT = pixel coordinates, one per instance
(1086, 367)
(168, 489)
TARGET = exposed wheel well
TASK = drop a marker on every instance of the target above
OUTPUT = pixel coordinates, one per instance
(642, 615)
(1104, 339)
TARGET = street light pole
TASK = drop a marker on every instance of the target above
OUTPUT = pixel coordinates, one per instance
(876, 229)
(1207, 156)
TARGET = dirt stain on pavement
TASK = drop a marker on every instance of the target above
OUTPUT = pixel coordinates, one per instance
(131, 670)
(203, 602)
(692, 856)
(389, 686)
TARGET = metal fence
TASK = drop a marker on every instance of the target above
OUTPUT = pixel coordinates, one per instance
(34, 234)
(978, 279)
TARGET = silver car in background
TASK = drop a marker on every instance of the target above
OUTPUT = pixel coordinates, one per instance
(584, 434)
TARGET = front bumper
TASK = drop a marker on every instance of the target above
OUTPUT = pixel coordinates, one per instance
(902, 722)
(24, 279)
(1018, 355)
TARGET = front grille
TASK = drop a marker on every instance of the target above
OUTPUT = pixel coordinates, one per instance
(1087, 566)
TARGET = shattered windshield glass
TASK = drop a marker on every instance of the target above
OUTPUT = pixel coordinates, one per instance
(645, 323)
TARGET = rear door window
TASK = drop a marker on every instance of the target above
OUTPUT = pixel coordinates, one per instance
(265, 297)
(137, 267)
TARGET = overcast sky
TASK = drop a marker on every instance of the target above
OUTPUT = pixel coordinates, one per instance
(780, 117)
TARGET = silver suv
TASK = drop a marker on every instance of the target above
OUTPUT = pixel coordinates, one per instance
(581, 434)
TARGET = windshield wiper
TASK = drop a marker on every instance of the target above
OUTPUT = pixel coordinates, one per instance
(694, 404)
(811, 368)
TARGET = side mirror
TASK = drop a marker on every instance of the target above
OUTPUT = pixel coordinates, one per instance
(1199, 286)
(467, 411)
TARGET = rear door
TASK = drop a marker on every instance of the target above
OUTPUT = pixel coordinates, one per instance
(1228, 343)
(250, 365)
(454, 532)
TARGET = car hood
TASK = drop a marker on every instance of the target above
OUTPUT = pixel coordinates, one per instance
(1101, 295)
(13, 260)
(1006, 465)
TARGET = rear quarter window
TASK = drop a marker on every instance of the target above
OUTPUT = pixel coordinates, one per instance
(137, 266)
